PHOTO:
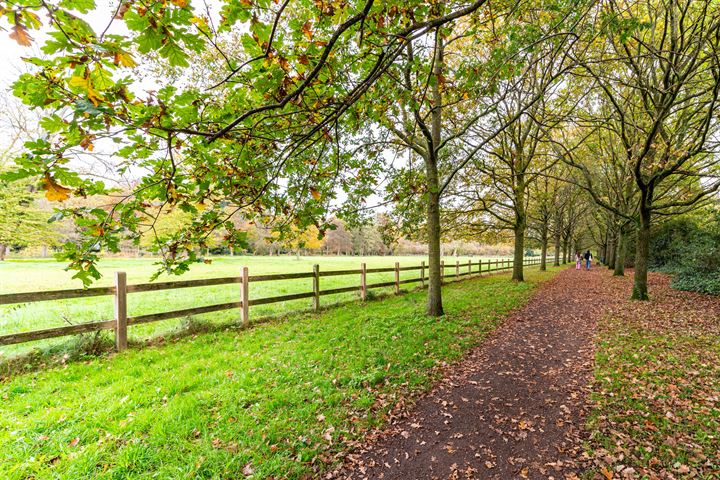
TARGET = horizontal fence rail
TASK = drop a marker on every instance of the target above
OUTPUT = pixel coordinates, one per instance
(120, 291)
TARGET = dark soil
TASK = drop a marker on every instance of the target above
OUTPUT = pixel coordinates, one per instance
(512, 408)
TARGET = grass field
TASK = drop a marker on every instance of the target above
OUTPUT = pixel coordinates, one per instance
(277, 400)
(39, 275)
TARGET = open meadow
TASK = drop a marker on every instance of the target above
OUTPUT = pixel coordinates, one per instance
(42, 275)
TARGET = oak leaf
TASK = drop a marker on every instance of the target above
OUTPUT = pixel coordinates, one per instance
(54, 191)
(20, 35)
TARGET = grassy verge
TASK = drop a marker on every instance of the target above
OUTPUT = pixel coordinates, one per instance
(279, 400)
(657, 410)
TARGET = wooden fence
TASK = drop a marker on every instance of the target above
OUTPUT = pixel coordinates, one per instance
(121, 290)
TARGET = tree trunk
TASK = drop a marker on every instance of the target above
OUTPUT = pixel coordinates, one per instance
(3, 249)
(619, 257)
(556, 263)
(642, 254)
(543, 247)
(520, 225)
(612, 251)
(565, 249)
(518, 254)
(434, 299)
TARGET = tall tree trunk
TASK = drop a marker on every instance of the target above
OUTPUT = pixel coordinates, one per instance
(434, 300)
(642, 254)
(565, 249)
(556, 263)
(520, 226)
(518, 254)
(619, 257)
(612, 251)
(3, 249)
(543, 247)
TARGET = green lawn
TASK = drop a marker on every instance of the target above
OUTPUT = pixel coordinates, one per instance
(38, 275)
(279, 399)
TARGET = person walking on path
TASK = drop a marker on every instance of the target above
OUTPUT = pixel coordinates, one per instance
(588, 258)
(578, 260)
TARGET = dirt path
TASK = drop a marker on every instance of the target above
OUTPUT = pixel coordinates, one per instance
(513, 408)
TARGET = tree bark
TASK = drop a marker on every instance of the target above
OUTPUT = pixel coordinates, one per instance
(434, 300)
(556, 263)
(543, 247)
(3, 250)
(612, 251)
(520, 226)
(619, 257)
(642, 254)
(518, 254)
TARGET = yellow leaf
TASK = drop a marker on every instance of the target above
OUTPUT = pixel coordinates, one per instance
(200, 206)
(20, 35)
(181, 3)
(124, 59)
(54, 191)
(78, 81)
(84, 83)
(607, 473)
(316, 195)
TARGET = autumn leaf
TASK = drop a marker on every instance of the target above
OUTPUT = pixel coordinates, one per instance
(124, 59)
(20, 35)
(315, 194)
(54, 191)
(86, 143)
(181, 3)
(84, 83)
(124, 7)
(607, 473)
(307, 30)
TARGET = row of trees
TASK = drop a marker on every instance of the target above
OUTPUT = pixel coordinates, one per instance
(561, 121)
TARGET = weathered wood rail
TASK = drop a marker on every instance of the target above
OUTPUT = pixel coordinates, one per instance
(121, 290)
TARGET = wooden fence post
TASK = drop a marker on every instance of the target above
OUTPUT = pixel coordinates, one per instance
(480, 267)
(120, 311)
(470, 267)
(244, 297)
(363, 282)
(316, 287)
(442, 272)
(457, 270)
(397, 278)
(422, 274)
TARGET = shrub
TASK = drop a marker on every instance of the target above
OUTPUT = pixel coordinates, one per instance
(689, 249)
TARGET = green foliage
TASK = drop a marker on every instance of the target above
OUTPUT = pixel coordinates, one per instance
(689, 248)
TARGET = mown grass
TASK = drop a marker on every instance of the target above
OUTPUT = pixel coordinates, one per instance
(40, 275)
(280, 399)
